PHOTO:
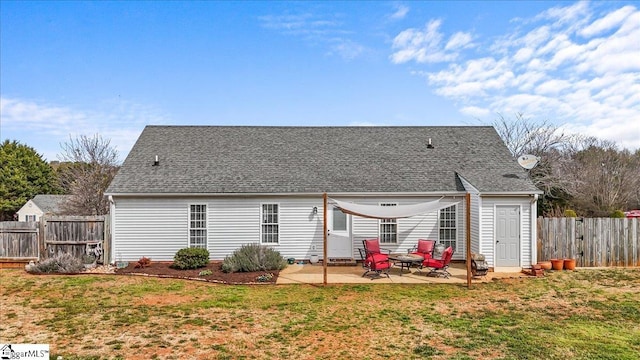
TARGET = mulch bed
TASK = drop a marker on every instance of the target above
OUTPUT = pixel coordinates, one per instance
(164, 269)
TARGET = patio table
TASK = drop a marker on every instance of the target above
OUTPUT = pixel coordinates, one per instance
(406, 260)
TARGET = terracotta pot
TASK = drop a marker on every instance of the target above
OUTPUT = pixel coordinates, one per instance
(545, 265)
(557, 264)
(569, 264)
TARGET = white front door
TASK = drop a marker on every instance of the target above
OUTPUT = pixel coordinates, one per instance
(508, 236)
(339, 237)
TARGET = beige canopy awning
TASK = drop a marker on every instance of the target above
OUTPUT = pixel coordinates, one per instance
(391, 212)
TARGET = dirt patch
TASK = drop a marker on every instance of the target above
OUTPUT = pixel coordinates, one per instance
(164, 269)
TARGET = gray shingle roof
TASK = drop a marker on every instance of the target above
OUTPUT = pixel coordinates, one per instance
(248, 159)
(50, 204)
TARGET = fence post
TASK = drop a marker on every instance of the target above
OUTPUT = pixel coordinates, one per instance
(106, 242)
(42, 249)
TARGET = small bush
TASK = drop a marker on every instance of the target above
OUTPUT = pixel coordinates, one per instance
(570, 213)
(617, 214)
(191, 258)
(143, 263)
(205, 273)
(65, 263)
(254, 257)
(264, 277)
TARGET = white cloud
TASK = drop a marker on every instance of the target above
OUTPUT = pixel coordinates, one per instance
(346, 49)
(608, 22)
(476, 112)
(571, 65)
(552, 87)
(426, 45)
(329, 31)
(459, 40)
(401, 12)
(28, 121)
(570, 17)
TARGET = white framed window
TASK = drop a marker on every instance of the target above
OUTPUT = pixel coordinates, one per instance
(270, 224)
(30, 218)
(448, 226)
(198, 226)
(388, 228)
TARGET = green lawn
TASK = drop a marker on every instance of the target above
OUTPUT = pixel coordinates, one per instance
(586, 314)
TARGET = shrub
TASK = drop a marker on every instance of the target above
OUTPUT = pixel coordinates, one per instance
(65, 263)
(617, 214)
(570, 213)
(143, 263)
(265, 277)
(254, 257)
(191, 258)
(205, 272)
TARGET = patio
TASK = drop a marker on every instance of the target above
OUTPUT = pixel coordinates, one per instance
(312, 274)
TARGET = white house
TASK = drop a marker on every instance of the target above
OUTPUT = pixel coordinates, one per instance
(41, 205)
(220, 187)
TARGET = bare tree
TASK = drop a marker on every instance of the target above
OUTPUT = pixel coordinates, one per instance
(602, 178)
(523, 135)
(584, 173)
(94, 163)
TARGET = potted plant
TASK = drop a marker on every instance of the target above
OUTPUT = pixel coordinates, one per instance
(545, 265)
(557, 264)
(569, 264)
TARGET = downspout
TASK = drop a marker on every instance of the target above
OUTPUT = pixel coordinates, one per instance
(112, 228)
(534, 229)
(468, 226)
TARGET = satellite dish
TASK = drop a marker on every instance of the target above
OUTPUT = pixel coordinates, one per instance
(528, 161)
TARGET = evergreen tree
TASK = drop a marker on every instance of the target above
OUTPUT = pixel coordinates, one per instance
(23, 174)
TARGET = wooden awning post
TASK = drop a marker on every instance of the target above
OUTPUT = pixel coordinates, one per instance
(468, 226)
(324, 240)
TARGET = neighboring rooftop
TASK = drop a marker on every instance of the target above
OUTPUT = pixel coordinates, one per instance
(251, 159)
(50, 203)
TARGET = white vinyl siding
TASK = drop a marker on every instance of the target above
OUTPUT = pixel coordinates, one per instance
(198, 226)
(270, 224)
(487, 236)
(158, 227)
(154, 228)
(388, 233)
(475, 215)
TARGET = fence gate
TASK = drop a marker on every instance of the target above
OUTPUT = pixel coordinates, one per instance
(75, 235)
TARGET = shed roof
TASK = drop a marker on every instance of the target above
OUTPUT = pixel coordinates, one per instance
(254, 159)
(50, 204)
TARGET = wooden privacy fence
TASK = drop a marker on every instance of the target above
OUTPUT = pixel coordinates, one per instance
(55, 235)
(591, 241)
(18, 241)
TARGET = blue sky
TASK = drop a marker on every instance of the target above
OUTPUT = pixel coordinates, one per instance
(71, 68)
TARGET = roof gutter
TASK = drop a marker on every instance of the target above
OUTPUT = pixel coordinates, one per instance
(305, 194)
(512, 193)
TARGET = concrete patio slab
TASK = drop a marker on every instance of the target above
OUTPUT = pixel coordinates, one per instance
(313, 274)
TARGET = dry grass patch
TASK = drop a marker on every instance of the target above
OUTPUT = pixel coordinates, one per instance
(104, 317)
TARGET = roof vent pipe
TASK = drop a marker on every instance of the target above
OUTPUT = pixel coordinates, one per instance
(429, 146)
(156, 162)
